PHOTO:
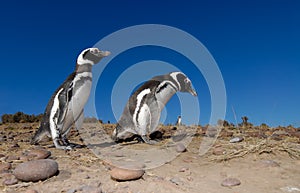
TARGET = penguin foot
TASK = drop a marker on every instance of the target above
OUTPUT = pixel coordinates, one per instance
(63, 147)
(66, 142)
(58, 146)
(148, 141)
(75, 145)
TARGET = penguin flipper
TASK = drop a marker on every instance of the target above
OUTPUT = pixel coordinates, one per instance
(63, 105)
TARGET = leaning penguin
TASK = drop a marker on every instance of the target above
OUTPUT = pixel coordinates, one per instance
(142, 112)
(66, 105)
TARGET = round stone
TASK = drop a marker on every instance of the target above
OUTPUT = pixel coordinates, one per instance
(236, 140)
(180, 148)
(229, 182)
(122, 174)
(36, 170)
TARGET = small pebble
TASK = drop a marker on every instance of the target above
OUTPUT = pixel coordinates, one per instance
(236, 139)
(180, 148)
(219, 151)
(12, 158)
(90, 189)
(4, 167)
(9, 182)
(229, 182)
(15, 145)
(176, 181)
(31, 191)
(72, 191)
(38, 154)
(121, 174)
(269, 163)
(36, 170)
(9, 179)
(183, 169)
(2, 139)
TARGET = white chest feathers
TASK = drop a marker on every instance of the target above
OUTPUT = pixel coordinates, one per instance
(82, 85)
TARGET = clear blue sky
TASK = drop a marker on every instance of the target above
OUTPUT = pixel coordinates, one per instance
(256, 45)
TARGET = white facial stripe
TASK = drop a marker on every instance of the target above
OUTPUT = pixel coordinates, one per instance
(139, 97)
(80, 59)
(53, 121)
(174, 76)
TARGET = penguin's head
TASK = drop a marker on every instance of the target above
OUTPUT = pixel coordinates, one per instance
(91, 56)
(183, 82)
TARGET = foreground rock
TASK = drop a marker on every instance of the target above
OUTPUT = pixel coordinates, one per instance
(229, 182)
(36, 170)
(122, 174)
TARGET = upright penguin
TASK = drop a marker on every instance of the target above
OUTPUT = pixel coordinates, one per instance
(142, 112)
(65, 107)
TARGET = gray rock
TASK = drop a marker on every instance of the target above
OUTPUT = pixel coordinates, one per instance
(90, 189)
(176, 181)
(180, 148)
(71, 191)
(229, 182)
(236, 139)
(269, 163)
(36, 170)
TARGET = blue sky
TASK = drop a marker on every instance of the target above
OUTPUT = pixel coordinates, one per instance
(255, 44)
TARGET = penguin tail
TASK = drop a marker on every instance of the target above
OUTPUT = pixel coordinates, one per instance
(39, 135)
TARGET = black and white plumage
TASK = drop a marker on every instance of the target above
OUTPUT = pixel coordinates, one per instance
(143, 109)
(65, 107)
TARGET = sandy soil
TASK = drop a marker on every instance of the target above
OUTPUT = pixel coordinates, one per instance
(262, 162)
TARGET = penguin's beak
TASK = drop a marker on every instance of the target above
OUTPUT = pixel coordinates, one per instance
(104, 53)
(193, 92)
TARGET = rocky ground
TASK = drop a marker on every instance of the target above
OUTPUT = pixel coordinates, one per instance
(187, 159)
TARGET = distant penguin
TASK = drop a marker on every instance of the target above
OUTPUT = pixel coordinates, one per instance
(178, 120)
(142, 112)
(65, 107)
